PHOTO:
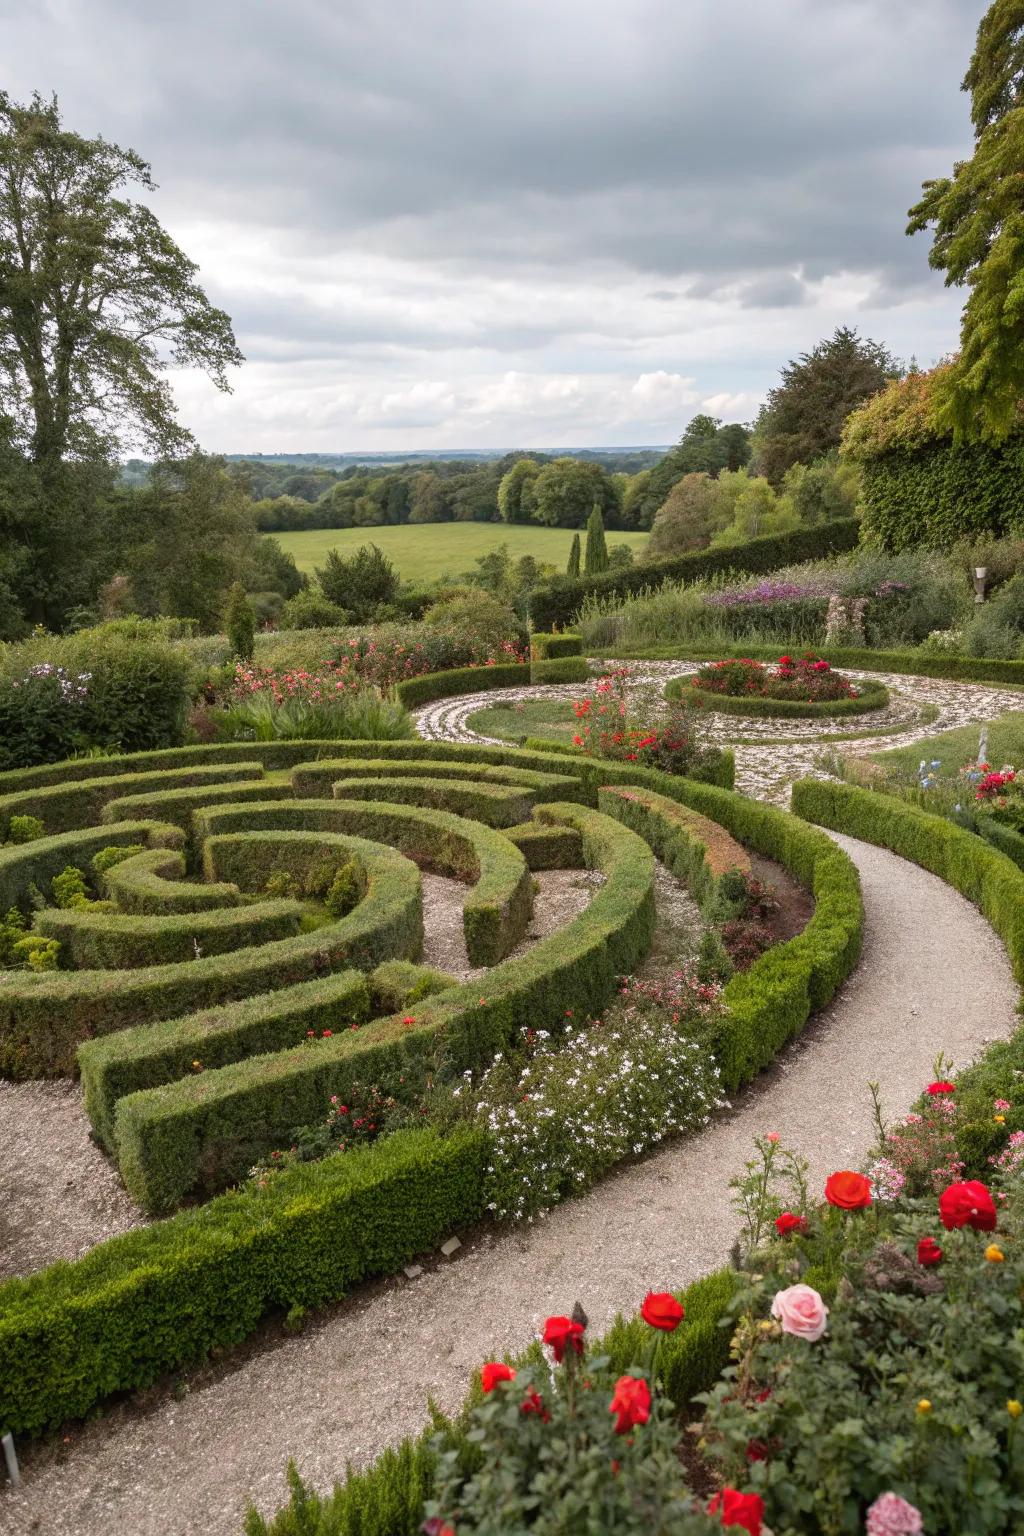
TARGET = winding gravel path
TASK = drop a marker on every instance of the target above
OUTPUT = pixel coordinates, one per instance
(933, 976)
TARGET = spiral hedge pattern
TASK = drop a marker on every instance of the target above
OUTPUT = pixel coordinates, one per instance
(185, 998)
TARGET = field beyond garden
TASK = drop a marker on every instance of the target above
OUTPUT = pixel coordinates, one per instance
(428, 551)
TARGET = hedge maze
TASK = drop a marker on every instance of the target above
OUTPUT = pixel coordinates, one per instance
(245, 940)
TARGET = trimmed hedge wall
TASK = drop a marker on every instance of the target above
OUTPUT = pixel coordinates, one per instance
(986, 877)
(493, 805)
(720, 771)
(546, 647)
(164, 1296)
(558, 604)
(497, 909)
(26, 864)
(560, 669)
(45, 1017)
(179, 805)
(124, 941)
(62, 807)
(150, 1054)
(151, 881)
(205, 1130)
(771, 1002)
(316, 779)
(416, 691)
(873, 695)
(547, 847)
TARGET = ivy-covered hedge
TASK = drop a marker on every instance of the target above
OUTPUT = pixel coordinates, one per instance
(546, 647)
(164, 1296)
(919, 487)
(558, 604)
(871, 695)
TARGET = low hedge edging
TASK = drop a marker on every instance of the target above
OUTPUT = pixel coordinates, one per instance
(872, 695)
(972, 669)
(560, 669)
(545, 647)
(416, 691)
(978, 871)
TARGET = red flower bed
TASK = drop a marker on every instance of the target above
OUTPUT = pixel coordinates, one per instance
(805, 679)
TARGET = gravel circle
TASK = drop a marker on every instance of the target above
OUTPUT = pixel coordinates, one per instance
(357, 1379)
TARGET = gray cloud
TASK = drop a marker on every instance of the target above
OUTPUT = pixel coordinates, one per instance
(560, 185)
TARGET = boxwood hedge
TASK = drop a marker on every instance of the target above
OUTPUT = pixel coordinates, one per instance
(870, 695)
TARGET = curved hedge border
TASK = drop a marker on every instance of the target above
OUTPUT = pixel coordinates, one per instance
(493, 805)
(62, 807)
(872, 695)
(126, 940)
(316, 779)
(968, 669)
(26, 864)
(153, 881)
(71, 1335)
(416, 691)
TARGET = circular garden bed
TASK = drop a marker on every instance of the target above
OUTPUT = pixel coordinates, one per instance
(805, 687)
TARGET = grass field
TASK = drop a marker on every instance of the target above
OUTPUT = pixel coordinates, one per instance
(552, 719)
(955, 748)
(424, 552)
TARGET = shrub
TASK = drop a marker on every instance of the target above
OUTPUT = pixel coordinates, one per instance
(310, 609)
(24, 829)
(362, 582)
(240, 623)
(308, 707)
(547, 647)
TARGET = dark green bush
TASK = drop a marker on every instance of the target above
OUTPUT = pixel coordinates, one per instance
(446, 685)
(547, 647)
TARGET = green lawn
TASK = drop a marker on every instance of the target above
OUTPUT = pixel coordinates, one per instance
(552, 719)
(955, 748)
(424, 552)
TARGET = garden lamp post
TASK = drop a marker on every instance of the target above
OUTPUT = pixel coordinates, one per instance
(980, 572)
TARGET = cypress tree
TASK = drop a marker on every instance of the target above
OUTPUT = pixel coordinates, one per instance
(572, 570)
(240, 622)
(596, 558)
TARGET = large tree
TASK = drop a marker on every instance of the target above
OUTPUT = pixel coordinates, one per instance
(978, 219)
(803, 416)
(96, 299)
(706, 447)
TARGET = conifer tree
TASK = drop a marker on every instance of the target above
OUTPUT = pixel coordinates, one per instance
(572, 570)
(596, 558)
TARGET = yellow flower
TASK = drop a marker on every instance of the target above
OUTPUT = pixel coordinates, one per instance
(923, 1405)
(999, 1119)
(994, 1253)
(1014, 1408)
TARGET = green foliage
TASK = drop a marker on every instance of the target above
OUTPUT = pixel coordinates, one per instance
(557, 605)
(365, 714)
(443, 685)
(69, 889)
(560, 669)
(978, 240)
(396, 984)
(566, 491)
(548, 647)
(705, 448)
(310, 609)
(472, 612)
(240, 623)
(595, 561)
(572, 569)
(24, 829)
(516, 492)
(803, 417)
(362, 583)
(346, 889)
(67, 235)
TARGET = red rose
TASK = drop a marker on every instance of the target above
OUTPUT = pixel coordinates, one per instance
(743, 1511)
(562, 1334)
(848, 1190)
(788, 1222)
(967, 1205)
(936, 1088)
(632, 1402)
(493, 1372)
(661, 1310)
(534, 1403)
(928, 1252)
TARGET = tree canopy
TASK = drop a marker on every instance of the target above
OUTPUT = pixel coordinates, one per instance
(978, 240)
(96, 299)
(803, 416)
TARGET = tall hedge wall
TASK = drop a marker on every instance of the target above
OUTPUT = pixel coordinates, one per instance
(558, 604)
(944, 491)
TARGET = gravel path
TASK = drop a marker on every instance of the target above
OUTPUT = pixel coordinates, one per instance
(933, 976)
(791, 749)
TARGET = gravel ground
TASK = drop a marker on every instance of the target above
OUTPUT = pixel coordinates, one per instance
(560, 895)
(357, 1379)
(59, 1195)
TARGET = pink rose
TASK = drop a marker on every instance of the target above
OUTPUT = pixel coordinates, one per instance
(801, 1311)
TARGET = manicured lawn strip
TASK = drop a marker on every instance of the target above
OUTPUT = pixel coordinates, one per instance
(388, 1498)
(63, 807)
(871, 695)
(971, 669)
(496, 911)
(205, 1130)
(44, 1018)
(539, 720)
(115, 1065)
(557, 605)
(164, 1296)
(26, 864)
(127, 940)
(959, 746)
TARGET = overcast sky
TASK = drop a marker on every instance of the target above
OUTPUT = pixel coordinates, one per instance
(505, 223)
